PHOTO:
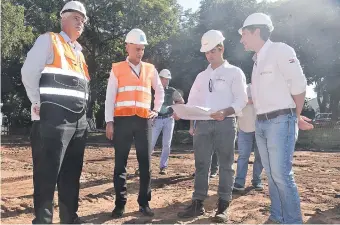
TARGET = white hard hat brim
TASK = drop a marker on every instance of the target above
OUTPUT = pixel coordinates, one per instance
(166, 77)
(210, 46)
(271, 28)
(139, 43)
(73, 10)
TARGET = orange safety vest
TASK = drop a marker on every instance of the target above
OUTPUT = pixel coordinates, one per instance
(134, 94)
(64, 82)
(73, 62)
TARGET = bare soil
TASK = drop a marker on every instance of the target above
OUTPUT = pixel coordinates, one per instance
(317, 175)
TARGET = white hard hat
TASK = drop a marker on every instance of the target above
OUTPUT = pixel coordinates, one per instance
(136, 36)
(257, 19)
(165, 73)
(210, 39)
(74, 6)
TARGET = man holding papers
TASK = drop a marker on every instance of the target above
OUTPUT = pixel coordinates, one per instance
(221, 88)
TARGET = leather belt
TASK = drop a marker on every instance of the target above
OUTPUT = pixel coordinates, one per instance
(274, 114)
(164, 116)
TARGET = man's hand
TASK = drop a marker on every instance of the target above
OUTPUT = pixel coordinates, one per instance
(109, 130)
(175, 116)
(303, 123)
(153, 114)
(219, 115)
(192, 131)
(36, 110)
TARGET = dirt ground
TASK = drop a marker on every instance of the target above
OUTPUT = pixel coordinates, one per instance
(317, 176)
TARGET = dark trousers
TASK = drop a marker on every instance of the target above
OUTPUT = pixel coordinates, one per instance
(58, 144)
(214, 163)
(127, 129)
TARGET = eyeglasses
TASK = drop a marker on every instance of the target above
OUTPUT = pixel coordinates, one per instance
(79, 19)
(210, 85)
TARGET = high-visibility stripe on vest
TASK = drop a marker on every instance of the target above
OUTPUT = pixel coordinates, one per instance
(134, 93)
(64, 82)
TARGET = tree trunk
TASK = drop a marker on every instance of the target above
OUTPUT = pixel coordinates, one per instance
(323, 103)
(92, 65)
(334, 106)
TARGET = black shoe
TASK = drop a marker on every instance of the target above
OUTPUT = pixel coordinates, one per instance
(118, 212)
(195, 209)
(221, 213)
(78, 221)
(213, 174)
(146, 211)
(258, 187)
(238, 188)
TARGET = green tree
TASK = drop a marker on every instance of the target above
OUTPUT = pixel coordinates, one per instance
(104, 34)
(14, 41)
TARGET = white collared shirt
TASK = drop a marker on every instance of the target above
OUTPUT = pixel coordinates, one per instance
(40, 54)
(246, 122)
(112, 88)
(277, 75)
(227, 85)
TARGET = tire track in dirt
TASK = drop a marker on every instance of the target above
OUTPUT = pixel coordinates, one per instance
(16, 179)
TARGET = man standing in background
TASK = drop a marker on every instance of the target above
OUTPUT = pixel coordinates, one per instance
(165, 121)
(246, 143)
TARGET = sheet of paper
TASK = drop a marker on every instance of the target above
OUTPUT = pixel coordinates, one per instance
(188, 112)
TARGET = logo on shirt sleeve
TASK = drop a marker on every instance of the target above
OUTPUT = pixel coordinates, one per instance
(291, 60)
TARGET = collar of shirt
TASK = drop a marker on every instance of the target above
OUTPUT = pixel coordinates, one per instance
(258, 56)
(76, 46)
(135, 68)
(224, 65)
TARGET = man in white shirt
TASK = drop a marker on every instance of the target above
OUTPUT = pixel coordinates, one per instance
(56, 80)
(278, 91)
(246, 143)
(127, 116)
(222, 88)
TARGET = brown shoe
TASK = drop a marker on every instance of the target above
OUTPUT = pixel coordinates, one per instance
(270, 221)
(163, 171)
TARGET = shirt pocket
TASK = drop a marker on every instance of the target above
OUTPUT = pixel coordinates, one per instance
(267, 75)
(267, 70)
(220, 84)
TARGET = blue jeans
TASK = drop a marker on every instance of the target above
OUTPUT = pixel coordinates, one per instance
(246, 143)
(166, 126)
(276, 142)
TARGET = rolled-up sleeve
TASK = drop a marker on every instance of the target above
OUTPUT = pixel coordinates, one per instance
(111, 93)
(177, 97)
(39, 55)
(291, 70)
(239, 90)
(159, 92)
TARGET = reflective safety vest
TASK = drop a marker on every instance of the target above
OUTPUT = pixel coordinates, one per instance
(134, 93)
(65, 81)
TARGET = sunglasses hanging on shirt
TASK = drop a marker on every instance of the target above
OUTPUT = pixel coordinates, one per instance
(210, 85)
